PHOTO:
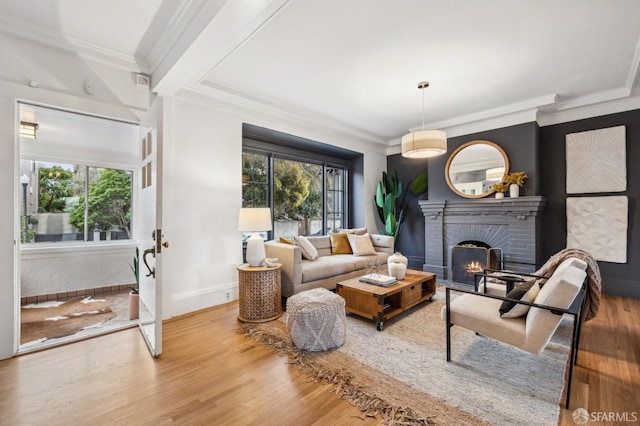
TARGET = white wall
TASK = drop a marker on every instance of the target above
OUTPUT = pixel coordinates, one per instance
(58, 270)
(203, 194)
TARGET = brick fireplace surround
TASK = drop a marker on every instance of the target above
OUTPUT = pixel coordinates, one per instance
(512, 224)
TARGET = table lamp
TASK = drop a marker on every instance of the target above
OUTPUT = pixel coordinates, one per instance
(255, 220)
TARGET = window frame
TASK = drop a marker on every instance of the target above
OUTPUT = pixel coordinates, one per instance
(53, 246)
(309, 158)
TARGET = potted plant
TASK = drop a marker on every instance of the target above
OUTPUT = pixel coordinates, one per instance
(515, 180)
(499, 188)
(391, 200)
(134, 295)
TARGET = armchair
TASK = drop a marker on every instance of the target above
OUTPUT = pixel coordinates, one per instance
(561, 293)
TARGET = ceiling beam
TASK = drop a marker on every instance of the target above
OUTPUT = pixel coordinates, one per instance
(228, 25)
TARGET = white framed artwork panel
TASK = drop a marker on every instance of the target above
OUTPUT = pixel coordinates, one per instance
(596, 161)
(598, 225)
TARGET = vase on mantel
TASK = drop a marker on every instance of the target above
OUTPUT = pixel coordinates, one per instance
(499, 195)
(514, 190)
(397, 264)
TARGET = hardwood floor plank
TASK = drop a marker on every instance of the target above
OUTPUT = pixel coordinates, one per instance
(209, 373)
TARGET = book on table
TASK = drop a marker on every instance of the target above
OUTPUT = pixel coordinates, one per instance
(377, 279)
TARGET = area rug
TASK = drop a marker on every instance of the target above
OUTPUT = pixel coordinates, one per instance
(401, 375)
(57, 319)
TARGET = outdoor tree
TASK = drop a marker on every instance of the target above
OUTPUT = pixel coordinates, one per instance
(254, 180)
(291, 188)
(109, 202)
(311, 208)
(55, 185)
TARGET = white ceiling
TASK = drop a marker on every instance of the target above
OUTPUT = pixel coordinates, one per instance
(355, 64)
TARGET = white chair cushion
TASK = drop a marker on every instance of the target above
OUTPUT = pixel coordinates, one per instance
(559, 291)
(481, 314)
(571, 261)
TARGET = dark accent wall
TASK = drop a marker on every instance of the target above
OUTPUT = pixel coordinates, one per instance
(617, 278)
(520, 144)
(410, 241)
(540, 151)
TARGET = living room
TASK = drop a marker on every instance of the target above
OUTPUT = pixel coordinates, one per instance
(202, 123)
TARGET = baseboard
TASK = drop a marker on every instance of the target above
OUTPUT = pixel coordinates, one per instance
(621, 288)
(190, 301)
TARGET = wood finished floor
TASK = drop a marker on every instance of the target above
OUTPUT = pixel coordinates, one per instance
(208, 374)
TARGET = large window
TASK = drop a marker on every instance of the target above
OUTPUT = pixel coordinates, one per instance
(306, 197)
(74, 202)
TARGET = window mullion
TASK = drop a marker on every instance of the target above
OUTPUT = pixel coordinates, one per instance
(86, 203)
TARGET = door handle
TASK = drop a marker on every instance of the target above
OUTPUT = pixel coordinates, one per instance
(152, 251)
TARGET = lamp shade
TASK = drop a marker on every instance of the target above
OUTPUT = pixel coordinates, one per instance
(424, 144)
(254, 219)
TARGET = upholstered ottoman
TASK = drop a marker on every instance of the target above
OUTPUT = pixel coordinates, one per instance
(316, 320)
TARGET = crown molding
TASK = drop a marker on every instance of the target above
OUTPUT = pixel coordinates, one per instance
(23, 30)
(576, 111)
(228, 101)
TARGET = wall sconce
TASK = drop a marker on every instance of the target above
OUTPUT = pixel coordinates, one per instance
(28, 130)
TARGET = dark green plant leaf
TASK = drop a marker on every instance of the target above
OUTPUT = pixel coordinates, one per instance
(379, 195)
(390, 225)
(420, 184)
(389, 205)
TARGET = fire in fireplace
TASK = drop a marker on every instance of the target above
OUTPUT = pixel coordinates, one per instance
(472, 257)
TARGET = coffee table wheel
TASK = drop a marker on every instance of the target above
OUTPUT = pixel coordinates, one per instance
(379, 326)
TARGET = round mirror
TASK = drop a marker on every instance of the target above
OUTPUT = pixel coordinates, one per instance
(474, 167)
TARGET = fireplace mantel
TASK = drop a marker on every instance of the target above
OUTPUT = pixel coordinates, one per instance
(512, 224)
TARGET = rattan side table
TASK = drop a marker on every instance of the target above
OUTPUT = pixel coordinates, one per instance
(259, 293)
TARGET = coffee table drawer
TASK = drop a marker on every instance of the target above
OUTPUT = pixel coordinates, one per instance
(411, 294)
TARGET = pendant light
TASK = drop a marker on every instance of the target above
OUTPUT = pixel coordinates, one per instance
(424, 143)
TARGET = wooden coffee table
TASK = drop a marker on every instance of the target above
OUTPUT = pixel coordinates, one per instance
(381, 303)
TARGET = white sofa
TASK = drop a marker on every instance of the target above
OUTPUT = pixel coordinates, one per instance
(299, 274)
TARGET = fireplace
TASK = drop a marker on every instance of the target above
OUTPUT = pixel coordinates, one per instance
(513, 224)
(469, 258)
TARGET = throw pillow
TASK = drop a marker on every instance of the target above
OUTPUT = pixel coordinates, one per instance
(340, 243)
(526, 292)
(357, 231)
(361, 245)
(287, 241)
(308, 250)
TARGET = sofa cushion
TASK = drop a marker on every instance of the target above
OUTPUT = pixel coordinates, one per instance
(326, 267)
(361, 245)
(526, 292)
(322, 243)
(340, 243)
(309, 252)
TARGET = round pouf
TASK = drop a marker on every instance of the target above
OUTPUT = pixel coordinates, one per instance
(316, 320)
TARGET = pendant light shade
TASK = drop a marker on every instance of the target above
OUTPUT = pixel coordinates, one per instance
(424, 143)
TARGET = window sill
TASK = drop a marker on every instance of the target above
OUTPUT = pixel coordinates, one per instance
(75, 247)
